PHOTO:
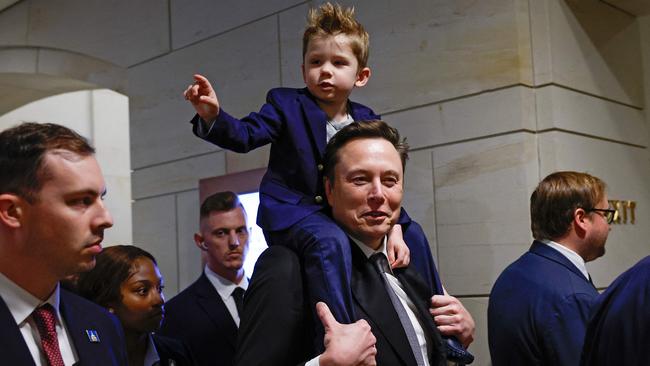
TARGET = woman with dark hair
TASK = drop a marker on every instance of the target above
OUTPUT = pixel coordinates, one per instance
(127, 282)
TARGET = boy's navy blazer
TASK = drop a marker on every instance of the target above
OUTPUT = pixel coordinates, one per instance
(295, 126)
(619, 329)
(80, 315)
(538, 310)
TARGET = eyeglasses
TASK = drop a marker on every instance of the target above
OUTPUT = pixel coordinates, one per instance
(607, 213)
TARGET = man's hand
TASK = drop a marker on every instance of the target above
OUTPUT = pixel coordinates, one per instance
(203, 98)
(399, 255)
(452, 318)
(346, 344)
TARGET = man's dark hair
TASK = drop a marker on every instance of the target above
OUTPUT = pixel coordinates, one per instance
(22, 151)
(220, 202)
(115, 265)
(362, 130)
(554, 201)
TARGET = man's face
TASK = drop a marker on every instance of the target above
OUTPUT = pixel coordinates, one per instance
(141, 307)
(65, 225)
(597, 233)
(366, 194)
(224, 237)
(331, 69)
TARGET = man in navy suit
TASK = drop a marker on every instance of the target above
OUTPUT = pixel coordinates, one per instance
(206, 314)
(52, 221)
(540, 304)
(619, 330)
(364, 186)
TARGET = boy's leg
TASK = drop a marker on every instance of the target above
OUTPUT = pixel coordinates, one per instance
(327, 265)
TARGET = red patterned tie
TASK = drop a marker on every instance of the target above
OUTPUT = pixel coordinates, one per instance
(45, 319)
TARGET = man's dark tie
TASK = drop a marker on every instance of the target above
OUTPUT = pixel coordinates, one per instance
(45, 319)
(238, 295)
(381, 265)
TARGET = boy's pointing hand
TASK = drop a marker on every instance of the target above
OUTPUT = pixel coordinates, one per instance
(203, 98)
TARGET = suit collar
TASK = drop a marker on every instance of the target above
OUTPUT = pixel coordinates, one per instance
(223, 286)
(78, 323)
(204, 288)
(546, 251)
(12, 345)
(214, 308)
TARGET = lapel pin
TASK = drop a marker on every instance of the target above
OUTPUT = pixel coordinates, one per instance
(93, 336)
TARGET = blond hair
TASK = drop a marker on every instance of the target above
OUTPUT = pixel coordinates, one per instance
(331, 20)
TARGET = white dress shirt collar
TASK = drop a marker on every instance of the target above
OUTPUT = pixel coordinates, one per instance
(572, 256)
(224, 286)
(368, 251)
(21, 303)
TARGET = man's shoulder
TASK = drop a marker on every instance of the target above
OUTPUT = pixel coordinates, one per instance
(544, 276)
(632, 284)
(186, 296)
(78, 303)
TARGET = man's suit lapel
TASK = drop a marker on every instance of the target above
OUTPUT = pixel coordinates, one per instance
(417, 290)
(546, 251)
(77, 324)
(369, 292)
(210, 301)
(13, 348)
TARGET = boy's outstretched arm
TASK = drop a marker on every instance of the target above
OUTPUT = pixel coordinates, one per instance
(399, 255)
(203, 98)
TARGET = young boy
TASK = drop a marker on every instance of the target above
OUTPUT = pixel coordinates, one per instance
(298, 123)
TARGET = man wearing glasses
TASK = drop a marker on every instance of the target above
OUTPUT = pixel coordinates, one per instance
(540, 304)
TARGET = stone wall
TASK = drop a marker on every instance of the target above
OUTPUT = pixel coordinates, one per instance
(493, 95)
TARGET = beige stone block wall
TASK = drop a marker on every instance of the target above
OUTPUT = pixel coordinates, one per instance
(492, 96)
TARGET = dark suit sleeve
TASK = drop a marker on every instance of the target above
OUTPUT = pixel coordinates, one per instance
(619, 330)
(421, 256)
(250, 132)
(275, 328)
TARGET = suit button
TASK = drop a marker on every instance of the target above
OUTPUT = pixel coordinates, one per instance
(319, 167)
(318, 199)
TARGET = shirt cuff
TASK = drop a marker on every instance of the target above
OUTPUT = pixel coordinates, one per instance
(203, 127)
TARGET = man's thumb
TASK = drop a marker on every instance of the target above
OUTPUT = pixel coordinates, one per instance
(325, 315)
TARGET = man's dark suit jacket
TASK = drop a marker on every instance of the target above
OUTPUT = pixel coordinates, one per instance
(619, 330)
(79, 315)
(538, 310)
(277, 329)
(294, 124)
(199, 318)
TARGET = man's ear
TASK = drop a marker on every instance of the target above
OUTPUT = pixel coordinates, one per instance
(11, 210)
(200, 243)
(362, 77)
(580, 221)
